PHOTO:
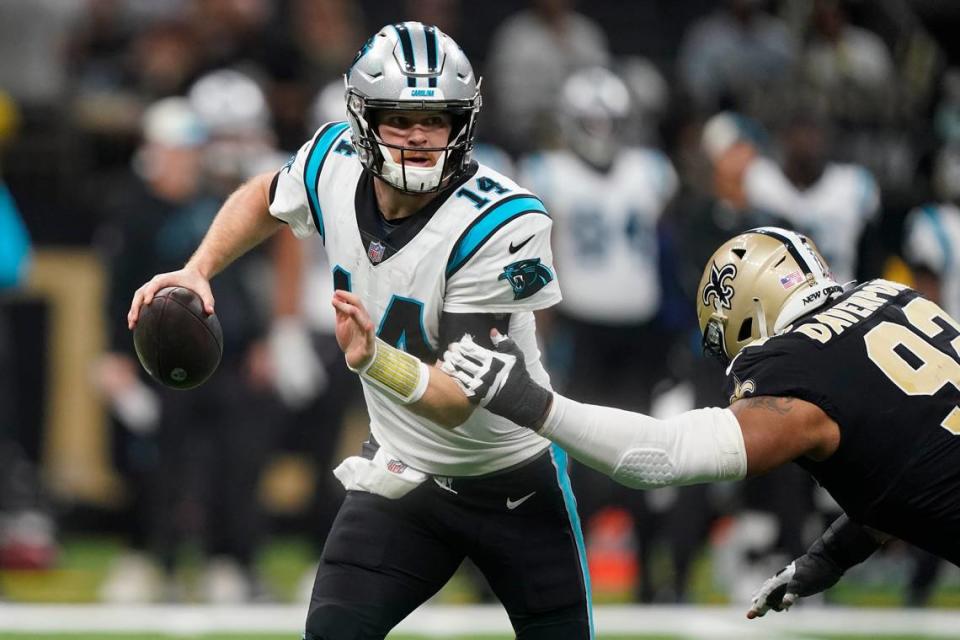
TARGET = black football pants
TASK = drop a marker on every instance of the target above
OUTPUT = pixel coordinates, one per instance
(383, 558)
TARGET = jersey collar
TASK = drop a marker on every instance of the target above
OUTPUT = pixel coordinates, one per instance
(392, 237)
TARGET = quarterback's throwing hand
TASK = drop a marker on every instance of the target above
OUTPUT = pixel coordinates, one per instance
(186, 277)
(497, 380)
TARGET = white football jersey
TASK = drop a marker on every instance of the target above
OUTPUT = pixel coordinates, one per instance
(932, 240)
(832, 212)
(485, 249)
(605, 238)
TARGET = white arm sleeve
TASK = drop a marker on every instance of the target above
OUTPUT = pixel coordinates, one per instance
(641, 452)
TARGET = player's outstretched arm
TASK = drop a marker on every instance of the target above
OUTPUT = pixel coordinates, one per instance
(634, 449)
(426, 390)
(243, 222)
(843, 545)
(754, 436)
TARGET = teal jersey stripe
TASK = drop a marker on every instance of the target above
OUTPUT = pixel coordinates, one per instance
(560, 463)
(489, 222)
(14, 241)
(933, 215)
(311, 172)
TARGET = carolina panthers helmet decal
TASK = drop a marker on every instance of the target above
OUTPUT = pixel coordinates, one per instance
(718, 288)
(526, 277)
(363, 51)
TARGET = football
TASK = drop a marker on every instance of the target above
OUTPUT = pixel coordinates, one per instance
(177, 342)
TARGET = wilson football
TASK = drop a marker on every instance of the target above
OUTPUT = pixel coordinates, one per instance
(177, 342)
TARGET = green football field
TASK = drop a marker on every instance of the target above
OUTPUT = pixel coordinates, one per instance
(84, 563)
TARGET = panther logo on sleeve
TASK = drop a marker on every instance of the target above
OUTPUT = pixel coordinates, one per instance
(718, 288)
(526, 277)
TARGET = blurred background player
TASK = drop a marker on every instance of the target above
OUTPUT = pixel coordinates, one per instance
(930, 247)
(193, 460)
(533, 52)
(27, 529)
(606, 194)
(798, 184)
(932, 236)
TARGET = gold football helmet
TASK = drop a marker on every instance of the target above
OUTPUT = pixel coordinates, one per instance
(755, 285)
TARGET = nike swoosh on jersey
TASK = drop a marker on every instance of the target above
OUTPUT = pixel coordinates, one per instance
(516, 247)
(513, 504)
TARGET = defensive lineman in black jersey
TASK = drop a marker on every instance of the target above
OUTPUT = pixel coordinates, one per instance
(881, 362)
(861, 388)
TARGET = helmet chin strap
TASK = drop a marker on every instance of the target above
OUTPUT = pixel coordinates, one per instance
(761, 317)
(407, 178)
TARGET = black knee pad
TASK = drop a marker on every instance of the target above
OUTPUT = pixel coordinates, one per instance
(334, 622)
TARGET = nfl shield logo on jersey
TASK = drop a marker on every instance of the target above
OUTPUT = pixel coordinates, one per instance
(375, 252)
(395, 466)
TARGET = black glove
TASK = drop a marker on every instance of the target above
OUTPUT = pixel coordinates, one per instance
(843, 545)
(497, 380)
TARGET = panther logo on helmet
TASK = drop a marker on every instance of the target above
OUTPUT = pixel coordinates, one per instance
(719, 287)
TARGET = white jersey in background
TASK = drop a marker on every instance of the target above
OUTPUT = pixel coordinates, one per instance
(833, 212)
(485, 249)
(932, 240)
(605, 238)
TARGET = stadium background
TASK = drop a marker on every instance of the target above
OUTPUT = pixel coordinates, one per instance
(76, 78)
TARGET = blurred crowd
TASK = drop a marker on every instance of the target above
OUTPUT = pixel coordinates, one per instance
(652, 130)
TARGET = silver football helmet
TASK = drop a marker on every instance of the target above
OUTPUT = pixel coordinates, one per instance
(230, 103)
(594, 107)
(410, 66)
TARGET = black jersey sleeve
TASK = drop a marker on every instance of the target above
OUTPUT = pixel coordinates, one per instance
(782, 367)
(454, 326)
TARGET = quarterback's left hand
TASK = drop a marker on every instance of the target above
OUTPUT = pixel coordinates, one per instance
(497, 380)
(355, 333)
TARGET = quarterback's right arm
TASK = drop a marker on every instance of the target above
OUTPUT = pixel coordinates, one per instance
(424, 389)
(243, 222)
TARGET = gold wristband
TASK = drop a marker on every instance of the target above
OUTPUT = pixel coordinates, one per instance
(397, 373)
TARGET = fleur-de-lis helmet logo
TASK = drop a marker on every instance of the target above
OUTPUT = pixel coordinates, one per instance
(719, 287)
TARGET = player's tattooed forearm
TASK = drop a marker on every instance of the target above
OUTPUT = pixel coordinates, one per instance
(781, 406)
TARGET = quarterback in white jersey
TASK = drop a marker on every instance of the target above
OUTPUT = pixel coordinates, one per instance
(483, 249)
(436, 247)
